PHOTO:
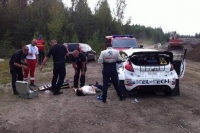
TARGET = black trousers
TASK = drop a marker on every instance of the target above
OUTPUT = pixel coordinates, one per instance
(110, 73)
(41, 57)
(17, 74)
(59, 73)
(76, 78)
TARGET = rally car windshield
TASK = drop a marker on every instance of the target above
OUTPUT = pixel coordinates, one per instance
(124, 43)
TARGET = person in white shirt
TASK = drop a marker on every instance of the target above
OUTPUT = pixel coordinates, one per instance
(87, 90)
(31, 59)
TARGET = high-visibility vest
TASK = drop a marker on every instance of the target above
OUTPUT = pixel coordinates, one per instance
(40, 44)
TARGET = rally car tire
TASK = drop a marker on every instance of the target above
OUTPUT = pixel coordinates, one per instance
(123, 88)
(176, 91)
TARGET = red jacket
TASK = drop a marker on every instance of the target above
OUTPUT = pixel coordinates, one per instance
(40, 44)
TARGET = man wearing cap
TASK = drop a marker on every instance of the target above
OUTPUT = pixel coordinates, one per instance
(16, 64)
(109, 58)
(41, 46)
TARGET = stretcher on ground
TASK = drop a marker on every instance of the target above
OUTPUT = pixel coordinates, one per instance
(65, 85)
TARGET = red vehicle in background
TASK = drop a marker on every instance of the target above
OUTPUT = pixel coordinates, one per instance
(121, 42)
(175, 42)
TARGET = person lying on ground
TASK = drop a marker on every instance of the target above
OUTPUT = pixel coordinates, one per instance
(88, 90)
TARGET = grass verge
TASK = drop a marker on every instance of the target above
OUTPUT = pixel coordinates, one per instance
(5, 76)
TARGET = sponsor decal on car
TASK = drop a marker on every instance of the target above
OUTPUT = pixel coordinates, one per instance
(155, 81)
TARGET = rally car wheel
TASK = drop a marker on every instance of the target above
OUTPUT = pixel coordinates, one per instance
(122, 88)
(176, 91)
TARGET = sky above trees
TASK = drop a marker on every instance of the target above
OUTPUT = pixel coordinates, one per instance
(170, 15)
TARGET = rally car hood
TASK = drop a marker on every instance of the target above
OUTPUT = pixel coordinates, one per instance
(130, 51)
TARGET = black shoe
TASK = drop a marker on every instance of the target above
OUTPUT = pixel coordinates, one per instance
(51, 89)
(122, 98)
(104, 100)
(109, 84)
(97, 83)
(57, 93)
(15, 93)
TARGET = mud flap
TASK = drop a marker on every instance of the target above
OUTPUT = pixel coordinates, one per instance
(123, 88)
(176, 91)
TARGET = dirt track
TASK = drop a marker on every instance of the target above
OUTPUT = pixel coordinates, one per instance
(68, 113)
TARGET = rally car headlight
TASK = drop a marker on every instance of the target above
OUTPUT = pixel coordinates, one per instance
(123, 55)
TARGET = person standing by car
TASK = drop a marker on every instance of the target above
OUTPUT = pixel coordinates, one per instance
(79, 64)
(16, 64)
(59, 53)
(41, 45)
(31, 59)
(175, 35)
(109, 58)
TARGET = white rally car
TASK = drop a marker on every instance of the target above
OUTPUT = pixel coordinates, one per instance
(151, 70)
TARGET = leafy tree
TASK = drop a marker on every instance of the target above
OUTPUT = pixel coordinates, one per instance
(21, 20)
(6, 47)
(120, 10)
(40, 15)
(96, 43)
(56, 21)
(24, 31)
(104, 20)
(83, 20)
(69, 32)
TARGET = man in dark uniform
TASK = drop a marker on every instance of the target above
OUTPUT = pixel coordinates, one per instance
(17, 62)
(79, 64)
(59, 53)
(109, 58)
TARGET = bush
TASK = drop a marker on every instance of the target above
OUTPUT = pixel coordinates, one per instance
(96, 43)
(6, 47)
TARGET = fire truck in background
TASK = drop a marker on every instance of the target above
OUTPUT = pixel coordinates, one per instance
(121, 42)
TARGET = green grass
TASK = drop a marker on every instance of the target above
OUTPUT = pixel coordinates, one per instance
(5, 76)
(44, 70)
